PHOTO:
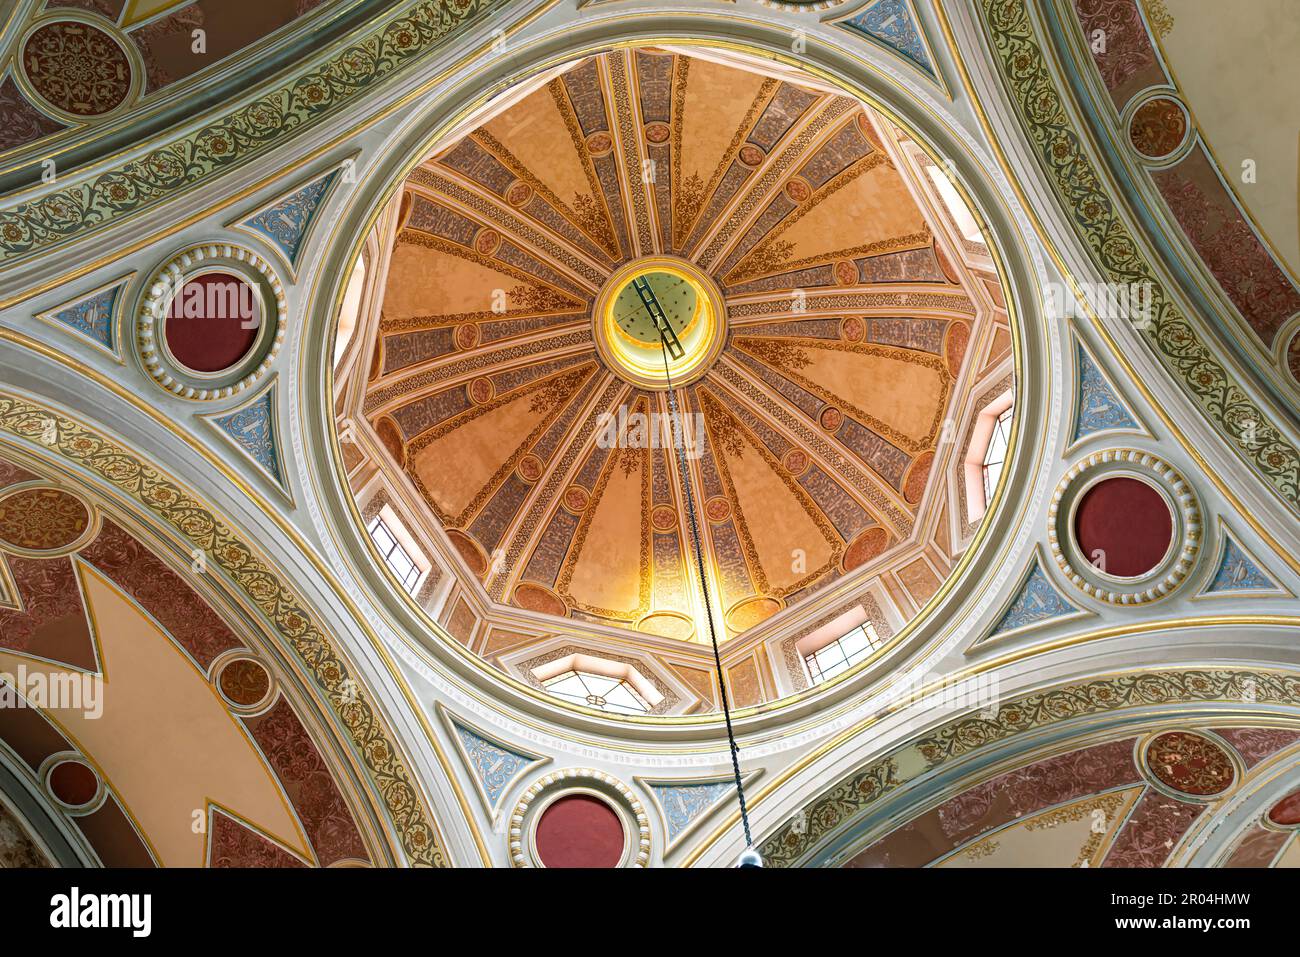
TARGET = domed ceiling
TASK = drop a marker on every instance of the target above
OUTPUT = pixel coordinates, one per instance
(815, 393)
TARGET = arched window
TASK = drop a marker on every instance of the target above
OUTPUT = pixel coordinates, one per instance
(597, 691)
(987, 453)
(350, 310)
(996, 453)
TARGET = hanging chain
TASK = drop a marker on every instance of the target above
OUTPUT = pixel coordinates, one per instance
(680, 445)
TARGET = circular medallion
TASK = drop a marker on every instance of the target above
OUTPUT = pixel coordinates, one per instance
(78, 69)
(954, 347)
(1158, 127)
(663, 518)
(74, 785)
(599, 143)
(1128, 542)
(797, 190)
(657, 133)
(43, 520)
(580, 830)
(470, 551)
(1286, 812)
(652, 298)
(918, 474)
(536, 598)
(717, 509)
(530, 468)
(518, 194)
(831, 419)
(751, 155)
(579, 817)
(481, 390)
(1124, 525)
(869, 543)
(846, 274)
(211, 321)
(796, 461)
(576, 498)
(244, 683)
(390, 436)
(1189, 764)
(853, 329)
(487, 242)
(466, 335)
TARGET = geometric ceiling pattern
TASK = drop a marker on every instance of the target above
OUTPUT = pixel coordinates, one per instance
(818, 423)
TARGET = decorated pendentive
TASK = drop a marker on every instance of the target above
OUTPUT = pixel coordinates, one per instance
(1124, 527)
(211, 321)
(579, 817)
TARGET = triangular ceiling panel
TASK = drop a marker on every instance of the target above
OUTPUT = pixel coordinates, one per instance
(93, 316)
(1238, 572)
(286, 223)
(1037, 602)
(1098, 407)
(252, 428)
(495, 766)
(894, 25)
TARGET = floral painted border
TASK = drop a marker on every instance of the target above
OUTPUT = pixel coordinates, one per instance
(849, 798)
(1097, 220)
(249, 131)
(192, 519)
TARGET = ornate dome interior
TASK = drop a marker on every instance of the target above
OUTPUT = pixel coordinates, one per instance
(836, 324)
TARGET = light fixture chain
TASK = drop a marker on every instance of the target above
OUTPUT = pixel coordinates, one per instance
(679, 445)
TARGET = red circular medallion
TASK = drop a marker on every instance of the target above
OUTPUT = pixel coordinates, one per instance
(1286, 812)
(1123, 527)
(213, 322)
(579, 831)
(73, 783)
(1190, 763)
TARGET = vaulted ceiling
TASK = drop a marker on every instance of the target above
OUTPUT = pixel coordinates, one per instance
(821, 417)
